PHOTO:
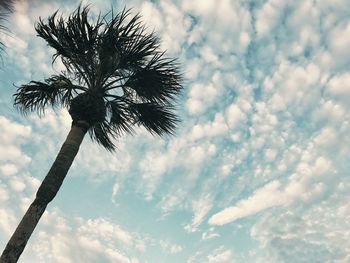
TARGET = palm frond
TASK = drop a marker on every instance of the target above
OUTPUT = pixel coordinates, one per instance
(36, 96)
(6, 7)
(134, 43)
(117, 122)
(124, 45)
(101, 133)
(74, 41)
(120, 119)
(159, 81)
(157, 119)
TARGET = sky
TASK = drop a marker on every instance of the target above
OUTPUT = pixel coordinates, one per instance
(258, 170)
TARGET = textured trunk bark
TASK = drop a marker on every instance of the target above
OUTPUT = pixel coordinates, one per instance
(46, 192)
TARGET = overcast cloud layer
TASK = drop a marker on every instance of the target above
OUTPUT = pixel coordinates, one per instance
(257, 172)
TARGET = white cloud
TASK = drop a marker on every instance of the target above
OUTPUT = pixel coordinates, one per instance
(270, 154)
(152, 16)
(266, 197)
(223, 16)
(268, 16)
(199, 7)
(8, 169)
(331, 111)
(303, 184)
(94, 240)
(115, 191)
(102, 227)
(168, 247)
(326, 138)
(195, 106)
(234, 116)
(220, 255)
(4, 195)
(21, 18)
(193, 68)
(200, 97)
(7, 218)
(209, 129)
(339, 87)
(210, 234)
(293, 85)
(175, 27)
(152, 167)
(10, 130)
(339, 43)
(288, 236)
(16, 184)
(12, 136)
(168, 20)
(200, 207)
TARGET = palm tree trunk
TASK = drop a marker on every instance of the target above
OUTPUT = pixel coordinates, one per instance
(46, 192)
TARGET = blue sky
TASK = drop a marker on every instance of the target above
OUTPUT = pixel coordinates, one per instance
(258, 170)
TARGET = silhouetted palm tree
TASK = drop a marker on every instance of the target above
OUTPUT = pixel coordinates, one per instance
(116, 77)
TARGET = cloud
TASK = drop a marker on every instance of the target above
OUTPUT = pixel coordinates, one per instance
(200, 97)
(220, 255)
(170, 248)
(21, 18)
(200, 209)
(16, 184)
(7, 217)
(153, 166)
(12, 136)
(273, 194)
(102, 227)
(234, 116)
(339, 88)
(210, 234)
(209, 129)
(94, 240)
(168, 20)
(266, 197)
(288, 236)
(338, 43)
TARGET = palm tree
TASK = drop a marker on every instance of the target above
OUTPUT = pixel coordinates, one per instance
(116, 77)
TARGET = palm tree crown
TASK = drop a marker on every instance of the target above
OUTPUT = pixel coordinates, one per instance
(116, 76)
